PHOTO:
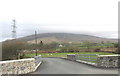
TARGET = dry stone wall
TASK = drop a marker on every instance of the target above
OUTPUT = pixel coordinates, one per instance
(71, 57)
(108, 61)
(21, 66)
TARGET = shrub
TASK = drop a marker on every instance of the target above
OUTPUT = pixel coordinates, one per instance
(11, 49)
(97, 50)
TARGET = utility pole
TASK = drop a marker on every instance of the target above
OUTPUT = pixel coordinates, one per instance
(14, 29)
(36, 41)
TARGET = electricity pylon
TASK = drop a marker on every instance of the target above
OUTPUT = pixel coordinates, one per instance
(14, 29)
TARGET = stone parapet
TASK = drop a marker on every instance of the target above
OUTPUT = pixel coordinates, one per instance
(108, 61)
(21, 66)
(71, 56)
(111, 61)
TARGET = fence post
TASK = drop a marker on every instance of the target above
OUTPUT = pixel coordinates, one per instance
(97, 61)
(89, 58)
(76, 57)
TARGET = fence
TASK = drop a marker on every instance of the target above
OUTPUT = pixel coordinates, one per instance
(87, 57)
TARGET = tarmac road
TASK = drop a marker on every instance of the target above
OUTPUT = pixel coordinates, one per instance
(62, 66)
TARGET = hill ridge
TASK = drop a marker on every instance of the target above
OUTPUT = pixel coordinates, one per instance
(65, 37)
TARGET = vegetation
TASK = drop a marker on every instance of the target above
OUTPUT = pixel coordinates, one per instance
(65, 54)
(12, 50)
(70, 47)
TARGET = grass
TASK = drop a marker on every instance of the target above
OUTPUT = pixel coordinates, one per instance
(50, 54)
(65, 54)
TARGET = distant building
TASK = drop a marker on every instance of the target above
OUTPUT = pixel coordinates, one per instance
(60, 45)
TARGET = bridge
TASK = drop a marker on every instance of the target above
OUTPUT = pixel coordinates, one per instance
(69, 65)
(62, 66)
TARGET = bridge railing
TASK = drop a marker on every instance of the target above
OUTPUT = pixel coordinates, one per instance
(38, 59)
(87, 57)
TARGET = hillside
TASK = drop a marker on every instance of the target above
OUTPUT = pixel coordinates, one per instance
(65, 37)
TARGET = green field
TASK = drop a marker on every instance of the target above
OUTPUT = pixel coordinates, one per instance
(65, 54)
(80, 56)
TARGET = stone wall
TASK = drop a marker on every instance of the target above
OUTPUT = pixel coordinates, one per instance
(71, 56)
(102, 60)
(21, 66)
(108, 61)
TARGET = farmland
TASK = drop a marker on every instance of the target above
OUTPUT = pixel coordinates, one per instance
(65, 54)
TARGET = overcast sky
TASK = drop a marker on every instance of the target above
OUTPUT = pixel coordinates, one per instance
(92, 17)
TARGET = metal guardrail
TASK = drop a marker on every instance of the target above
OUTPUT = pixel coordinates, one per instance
(37, 59)
(87, 57)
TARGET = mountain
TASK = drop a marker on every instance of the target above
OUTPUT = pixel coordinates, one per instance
(65, 37)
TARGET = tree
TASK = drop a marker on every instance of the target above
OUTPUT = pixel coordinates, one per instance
(117, 45)
(50, 46)
(40, 45)
(11, 49)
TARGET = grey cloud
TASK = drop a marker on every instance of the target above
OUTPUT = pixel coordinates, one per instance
(25, 29)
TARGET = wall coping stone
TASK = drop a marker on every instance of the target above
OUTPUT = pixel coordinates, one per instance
(17, 60)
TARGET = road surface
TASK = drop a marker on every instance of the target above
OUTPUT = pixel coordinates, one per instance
(62, 66)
